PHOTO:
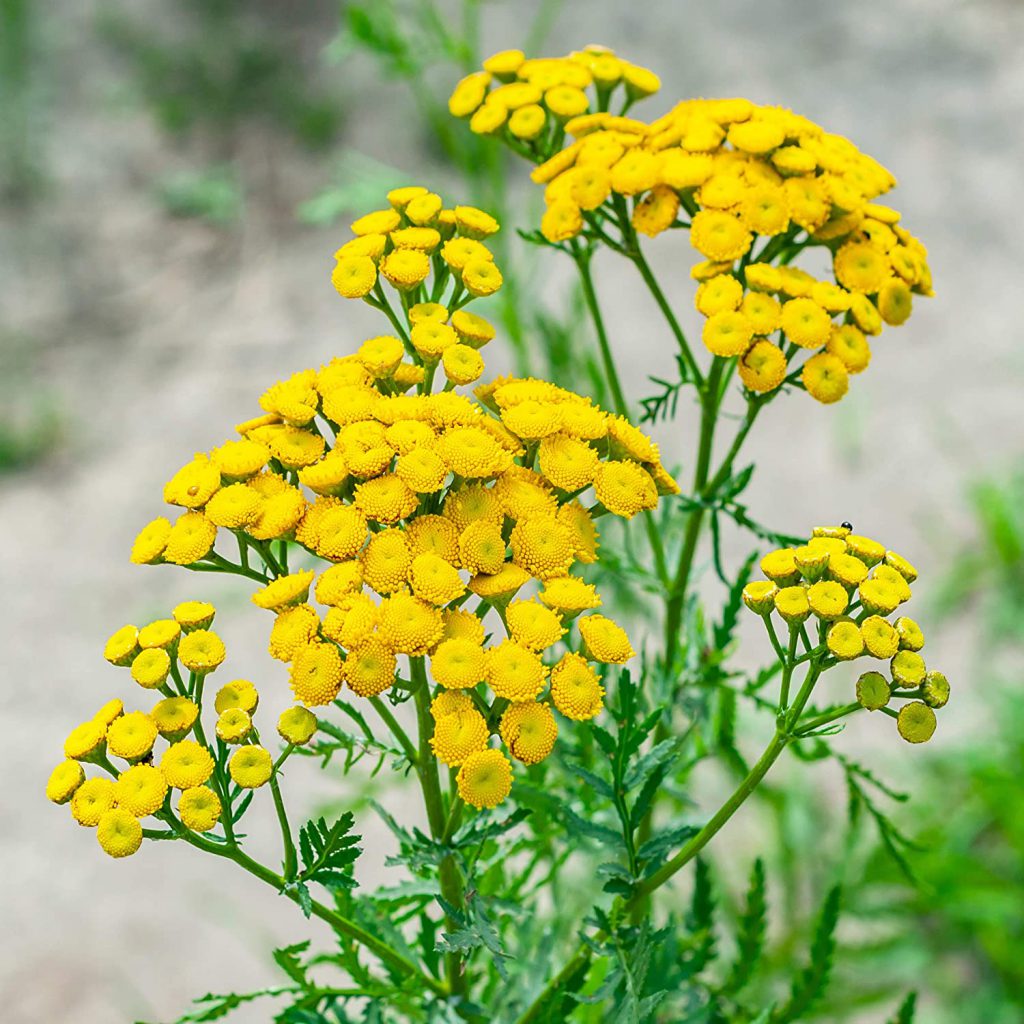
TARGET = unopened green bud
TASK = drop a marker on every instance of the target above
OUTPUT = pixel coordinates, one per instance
(873, 691)
(916, 722)
(935, 689)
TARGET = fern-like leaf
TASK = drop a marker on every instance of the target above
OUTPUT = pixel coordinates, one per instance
(750, 931)
(810, 984)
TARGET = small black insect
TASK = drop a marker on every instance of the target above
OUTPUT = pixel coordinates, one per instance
(847, 526)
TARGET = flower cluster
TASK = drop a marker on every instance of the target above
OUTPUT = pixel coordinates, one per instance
(756, 186)
(171, 657)
(421, 503)
(853, 587)
(409, 241)
(530, 101)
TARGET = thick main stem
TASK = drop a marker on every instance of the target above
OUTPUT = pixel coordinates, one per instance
(785, 732)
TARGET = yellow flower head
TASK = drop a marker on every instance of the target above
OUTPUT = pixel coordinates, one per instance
(514, 672)
(251, 767)
(624, 488)
(194, 615)
(880, 638)
(233, 725)
(297, 725)
(64, 781)
(122, 646)
(174, 717)
(435, 580)
(151, 541)
(239, 693)
(132, 736)
(201, 651)
(532, 625)
(529, 731)
(199, 808)
(119, 832)
(458, 735)
(845, 640)
(409, 625)
(916, 722)
(91, 800)
(458, 663)
(141, 790)
(485, 778)
(606, 641)
(576, 688)
(316, 674)
(151, 667)
(186, 764)
(370, 668)
(284, 591)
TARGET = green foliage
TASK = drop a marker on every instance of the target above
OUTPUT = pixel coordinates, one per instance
(750, 932)
(809, 986)
(224, 66)
(988, 572)
(23, 65)
(328, 853)
(213, 195)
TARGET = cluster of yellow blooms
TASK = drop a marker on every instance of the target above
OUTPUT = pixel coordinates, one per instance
(731, 172)
(409, 240)
(421, 502)
(853, 585)
(172, 657)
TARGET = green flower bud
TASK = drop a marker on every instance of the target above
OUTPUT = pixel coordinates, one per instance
(873, 691)
(935, 689)
(916, 722)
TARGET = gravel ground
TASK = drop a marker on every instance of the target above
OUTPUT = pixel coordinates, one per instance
(156, 336)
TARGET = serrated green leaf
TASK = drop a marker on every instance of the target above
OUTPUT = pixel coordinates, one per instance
(750, 932)
(654, 850)
(328, 852)
(287, 958)
(906, 1011)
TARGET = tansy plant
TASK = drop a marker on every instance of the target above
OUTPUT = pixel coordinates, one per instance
(430, 559)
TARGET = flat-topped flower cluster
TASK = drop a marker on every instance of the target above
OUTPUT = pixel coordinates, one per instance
(172, 657)
(431, 510)
(755, 186)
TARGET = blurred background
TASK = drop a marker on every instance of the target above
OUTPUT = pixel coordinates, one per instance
(174, 178)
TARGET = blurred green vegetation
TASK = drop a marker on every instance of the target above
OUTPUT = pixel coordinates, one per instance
(21, 161)
(30, 420)
(213, 195)
(221, 65)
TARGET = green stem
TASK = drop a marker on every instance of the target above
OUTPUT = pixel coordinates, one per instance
(789, 664)
(217, 563)
(636, 255)
(739, 796)
(290, 860)
(680, 582)
(341, 924)
(816, 723)
(582, 259)
(218, 780)
(396, 729)
(783, 736)
(430, 783)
